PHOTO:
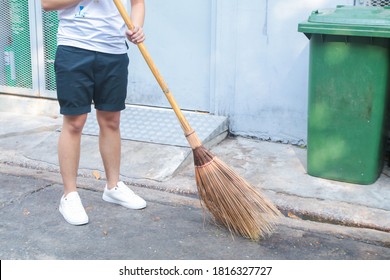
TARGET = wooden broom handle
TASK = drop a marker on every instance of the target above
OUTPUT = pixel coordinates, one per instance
(183, 121)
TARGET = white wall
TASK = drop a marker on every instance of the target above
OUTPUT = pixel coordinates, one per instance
(178, 35)
(262, 66)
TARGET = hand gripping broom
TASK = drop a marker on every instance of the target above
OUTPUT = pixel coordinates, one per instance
(231, 200)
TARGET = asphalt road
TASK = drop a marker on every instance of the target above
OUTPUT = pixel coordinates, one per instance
(172, 227)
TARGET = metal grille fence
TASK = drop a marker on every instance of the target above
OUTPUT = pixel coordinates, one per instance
(50, 25)
(15, 47)
(27, 47)
(380, 3)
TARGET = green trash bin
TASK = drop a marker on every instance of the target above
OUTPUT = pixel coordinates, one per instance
(348, 92)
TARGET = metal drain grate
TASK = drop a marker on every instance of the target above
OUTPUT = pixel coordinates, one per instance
(160, 126)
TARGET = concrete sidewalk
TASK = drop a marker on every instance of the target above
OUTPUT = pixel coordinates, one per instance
(278, 169)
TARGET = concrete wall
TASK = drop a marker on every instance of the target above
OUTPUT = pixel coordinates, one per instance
(262, 66)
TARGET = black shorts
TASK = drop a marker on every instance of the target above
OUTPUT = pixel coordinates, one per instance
(84, 76)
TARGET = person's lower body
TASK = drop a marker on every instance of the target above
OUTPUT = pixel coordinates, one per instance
(85, 78)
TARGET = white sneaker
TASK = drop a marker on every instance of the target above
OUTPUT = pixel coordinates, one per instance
(72, 209)
(123, 195)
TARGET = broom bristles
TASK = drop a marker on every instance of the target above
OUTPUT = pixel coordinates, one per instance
(231, 200)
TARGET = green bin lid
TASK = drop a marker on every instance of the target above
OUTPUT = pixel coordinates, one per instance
(349, 21)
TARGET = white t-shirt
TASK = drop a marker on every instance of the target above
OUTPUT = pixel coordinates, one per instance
(93, 25)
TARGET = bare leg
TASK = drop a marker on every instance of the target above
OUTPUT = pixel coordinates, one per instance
(110, 145)
(69, 150)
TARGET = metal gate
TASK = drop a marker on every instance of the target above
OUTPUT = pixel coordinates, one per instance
(16, 69)
(27, 48)
(380, 3)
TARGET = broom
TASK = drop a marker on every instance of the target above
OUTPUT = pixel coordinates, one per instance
(231, 200)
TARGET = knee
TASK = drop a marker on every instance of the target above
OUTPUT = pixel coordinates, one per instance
(111, 124)
(109, 121)
(74, 124)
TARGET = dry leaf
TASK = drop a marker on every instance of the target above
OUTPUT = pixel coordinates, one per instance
(96, 174)
(291, 215)
(26, 212)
